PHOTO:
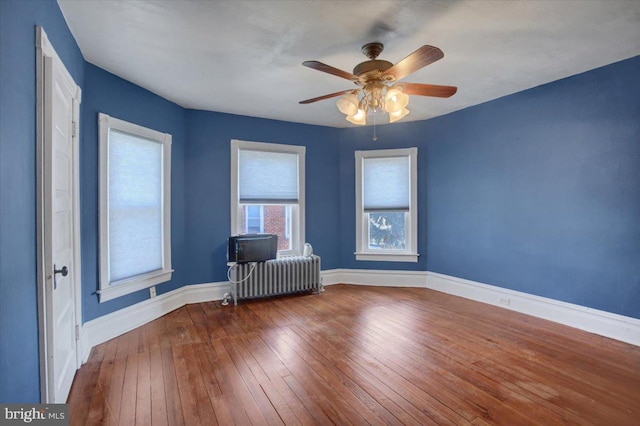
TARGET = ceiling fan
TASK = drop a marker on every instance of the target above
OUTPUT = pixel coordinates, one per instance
(377, 88)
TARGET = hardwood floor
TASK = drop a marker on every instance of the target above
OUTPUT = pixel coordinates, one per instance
(357, 355)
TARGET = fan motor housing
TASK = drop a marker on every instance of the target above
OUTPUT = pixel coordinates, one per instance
(372, 65)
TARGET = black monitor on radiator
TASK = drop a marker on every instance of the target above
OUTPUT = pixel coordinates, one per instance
(252, 248)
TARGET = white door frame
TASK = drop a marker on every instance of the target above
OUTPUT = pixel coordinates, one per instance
(45, 49)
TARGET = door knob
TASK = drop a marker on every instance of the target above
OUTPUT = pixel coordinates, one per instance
(64, 271)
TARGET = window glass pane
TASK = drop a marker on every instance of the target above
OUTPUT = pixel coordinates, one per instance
(271, 219)
(253, 220)
(253, 226)
(387, 230)
(135, 205)
(254, 212)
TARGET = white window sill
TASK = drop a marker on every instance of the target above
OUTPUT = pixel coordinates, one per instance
(288, 254)
(123, 287)
(388, 257)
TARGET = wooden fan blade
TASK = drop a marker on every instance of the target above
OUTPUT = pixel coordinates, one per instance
(427, 89)
(330, 70)
(420, 58)
(331, 95)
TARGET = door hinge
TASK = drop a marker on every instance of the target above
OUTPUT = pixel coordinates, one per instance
(74, 129)
(77, 332)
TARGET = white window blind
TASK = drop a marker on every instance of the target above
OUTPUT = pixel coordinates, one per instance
(135, 205)
(268, 177)
(386, 182)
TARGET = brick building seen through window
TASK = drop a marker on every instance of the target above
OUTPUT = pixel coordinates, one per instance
(268, 219)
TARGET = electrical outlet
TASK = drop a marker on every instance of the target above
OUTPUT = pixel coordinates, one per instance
(505, 301)
(152, 291)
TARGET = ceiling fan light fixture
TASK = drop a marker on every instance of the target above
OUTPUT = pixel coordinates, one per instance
(359, 118)
(395, 100)
(395, 116)
(348, 104)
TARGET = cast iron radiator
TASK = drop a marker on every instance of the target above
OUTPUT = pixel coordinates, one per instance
(275, 277)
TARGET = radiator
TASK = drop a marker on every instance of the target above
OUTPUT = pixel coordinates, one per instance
(275, 277)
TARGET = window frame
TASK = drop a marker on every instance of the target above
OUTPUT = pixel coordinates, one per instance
(297, 210)
(363, 252)
(110, 290)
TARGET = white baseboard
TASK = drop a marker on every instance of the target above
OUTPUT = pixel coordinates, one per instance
(117, 323)
(330, 277)
(382, 278)
(614, 326)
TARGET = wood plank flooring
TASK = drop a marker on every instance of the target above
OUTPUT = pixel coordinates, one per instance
(357, 355)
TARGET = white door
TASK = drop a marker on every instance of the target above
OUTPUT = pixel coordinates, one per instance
(59, 227)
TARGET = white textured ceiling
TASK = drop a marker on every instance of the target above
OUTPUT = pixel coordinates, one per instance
(245, 57)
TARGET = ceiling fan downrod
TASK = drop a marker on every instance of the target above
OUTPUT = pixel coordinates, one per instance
(372, 50)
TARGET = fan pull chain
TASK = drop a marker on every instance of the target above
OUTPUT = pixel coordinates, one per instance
(375, 138)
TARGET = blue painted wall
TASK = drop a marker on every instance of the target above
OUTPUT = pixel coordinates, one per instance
(537, 192)
(107, 93)
(19, 365)
(208, 183)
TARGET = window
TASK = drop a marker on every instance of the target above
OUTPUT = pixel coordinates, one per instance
(386, 203)
(267, 192)
(135, 207)
(253, 219)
